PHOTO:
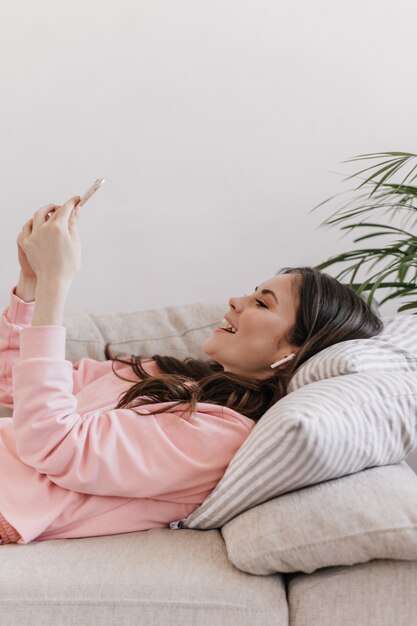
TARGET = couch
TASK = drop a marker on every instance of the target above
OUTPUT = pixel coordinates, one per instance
(339, 552)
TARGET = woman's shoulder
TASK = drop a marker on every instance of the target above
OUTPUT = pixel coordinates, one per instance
(224, 414)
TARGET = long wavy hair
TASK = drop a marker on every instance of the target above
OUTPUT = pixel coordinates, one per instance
(328, 313)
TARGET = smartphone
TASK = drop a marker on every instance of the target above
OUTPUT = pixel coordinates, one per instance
(96, 185)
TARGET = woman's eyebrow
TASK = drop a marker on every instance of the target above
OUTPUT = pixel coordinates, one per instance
(268, 291)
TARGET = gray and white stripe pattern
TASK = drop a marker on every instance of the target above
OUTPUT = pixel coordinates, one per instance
(350, 407)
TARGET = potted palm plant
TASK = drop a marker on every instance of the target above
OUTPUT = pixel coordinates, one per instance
(384, 187)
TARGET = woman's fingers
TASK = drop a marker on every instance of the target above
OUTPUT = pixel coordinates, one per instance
(27, 227)
(67, 213)
(40, 217)
(53, 247)
(55, 212)
(25, 232)
(74, 214)
(67, 210)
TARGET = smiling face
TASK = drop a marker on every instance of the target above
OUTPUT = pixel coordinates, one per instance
(262, 320)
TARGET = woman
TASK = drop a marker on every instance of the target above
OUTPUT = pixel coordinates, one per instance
(118, 446)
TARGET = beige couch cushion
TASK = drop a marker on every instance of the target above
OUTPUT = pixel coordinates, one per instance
(175, 331)
(368, 515)
(379, 593)
(83, 338)
(156, 577)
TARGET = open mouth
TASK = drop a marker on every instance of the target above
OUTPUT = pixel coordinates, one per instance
(226, 326)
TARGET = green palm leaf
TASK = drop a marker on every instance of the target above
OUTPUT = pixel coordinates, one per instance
(397, 257)
(406, 307)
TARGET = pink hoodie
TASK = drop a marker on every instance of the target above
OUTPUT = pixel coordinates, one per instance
(71, 465)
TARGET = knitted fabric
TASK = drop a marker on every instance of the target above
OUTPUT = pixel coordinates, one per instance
(8, 534)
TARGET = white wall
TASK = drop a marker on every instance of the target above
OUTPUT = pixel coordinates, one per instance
(217, 124)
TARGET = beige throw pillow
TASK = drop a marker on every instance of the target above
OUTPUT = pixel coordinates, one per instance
(368, 515)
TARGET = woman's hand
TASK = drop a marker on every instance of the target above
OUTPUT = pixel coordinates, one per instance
(50, 244)
(26, 287)
(26, 270)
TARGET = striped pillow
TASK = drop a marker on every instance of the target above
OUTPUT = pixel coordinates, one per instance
(350, 407)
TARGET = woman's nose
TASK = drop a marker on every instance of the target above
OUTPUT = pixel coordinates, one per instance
(236, 303)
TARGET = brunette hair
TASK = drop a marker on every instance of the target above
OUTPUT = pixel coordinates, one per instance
(328, 312)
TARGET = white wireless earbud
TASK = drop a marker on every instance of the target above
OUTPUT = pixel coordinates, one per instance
(287, 358)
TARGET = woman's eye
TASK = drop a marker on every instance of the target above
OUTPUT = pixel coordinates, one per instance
(261, 303)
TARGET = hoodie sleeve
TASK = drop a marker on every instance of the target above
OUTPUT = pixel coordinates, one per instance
(113, 452)
(16, 316)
